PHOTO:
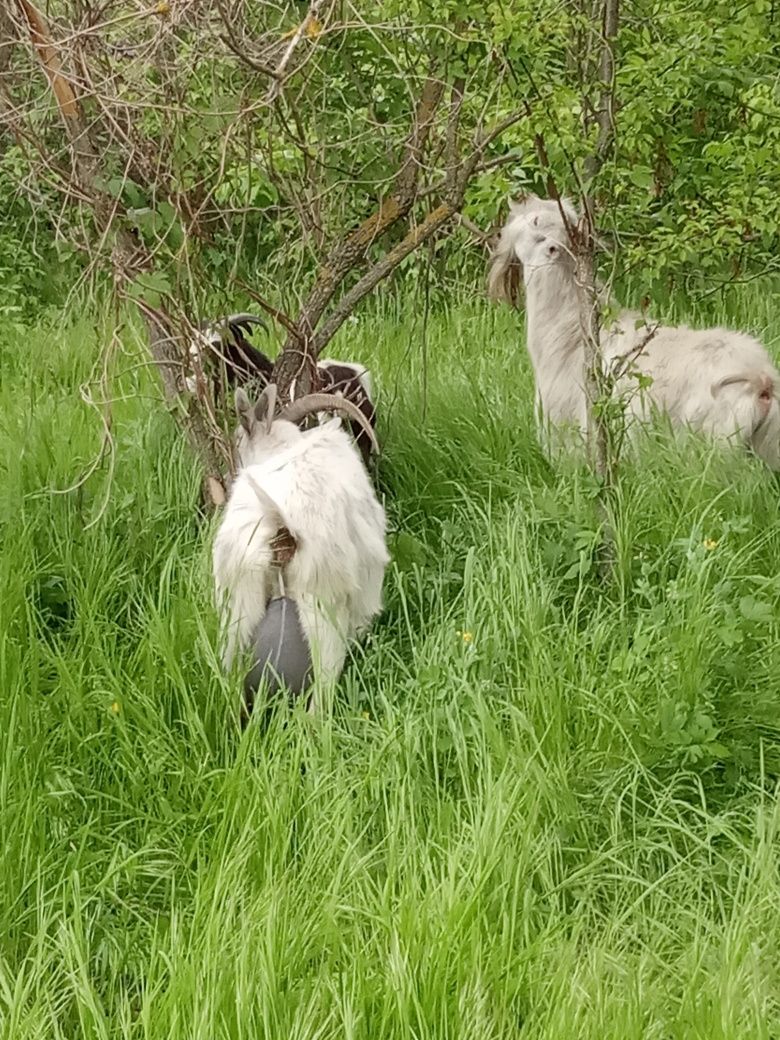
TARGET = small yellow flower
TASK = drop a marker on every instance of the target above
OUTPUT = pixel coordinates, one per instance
(710, 544)
(115, 707)
(163, 7)
(365, 715)
(467, 637)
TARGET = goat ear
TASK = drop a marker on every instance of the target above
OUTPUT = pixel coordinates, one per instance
(244, 410)
(504, 274)
(570, 209)
(261, 410)
(265, 409)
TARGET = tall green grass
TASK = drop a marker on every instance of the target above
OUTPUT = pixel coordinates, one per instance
(538, 807)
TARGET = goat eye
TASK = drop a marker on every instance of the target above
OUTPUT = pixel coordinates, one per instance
(539, 239)
(536, 222)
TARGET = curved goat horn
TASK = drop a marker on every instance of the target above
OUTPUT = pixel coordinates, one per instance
(244, 318)
(329, 403)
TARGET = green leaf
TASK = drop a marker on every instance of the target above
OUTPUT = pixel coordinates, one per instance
(641, 176)
(718, 750)
(729, 635)
(150, 287)
(755, 609)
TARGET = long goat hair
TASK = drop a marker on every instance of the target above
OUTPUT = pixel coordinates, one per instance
(719, 382)
(226, 343)
(308, 491)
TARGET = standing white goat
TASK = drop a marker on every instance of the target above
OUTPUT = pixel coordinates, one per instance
(714, 380)
(310, 489)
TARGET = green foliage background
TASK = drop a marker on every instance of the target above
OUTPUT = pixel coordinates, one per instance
(689, 198)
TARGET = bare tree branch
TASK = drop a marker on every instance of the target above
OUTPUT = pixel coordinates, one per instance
(454, 191)
(278, 73)
(451, 150)
(154, 172)
(286, 322)
(299, 357)
(296, 363)
(380, 270)
(6, 39)
(83, 154)
(480, 237)
(598, 383)
(128, 256)
(230, 39)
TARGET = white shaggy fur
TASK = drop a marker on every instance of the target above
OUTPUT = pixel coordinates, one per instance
(714, 380)
(314, 483)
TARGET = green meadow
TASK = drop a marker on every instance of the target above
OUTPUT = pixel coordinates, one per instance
(541, 804)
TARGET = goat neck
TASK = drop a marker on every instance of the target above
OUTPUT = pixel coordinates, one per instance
(553, 340)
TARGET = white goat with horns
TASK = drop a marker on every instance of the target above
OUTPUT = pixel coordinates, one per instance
(714, 380)
(300, 554)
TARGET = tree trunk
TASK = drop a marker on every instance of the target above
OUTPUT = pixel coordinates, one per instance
(601, 443)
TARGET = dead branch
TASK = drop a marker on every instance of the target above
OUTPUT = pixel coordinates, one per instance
(595, 377)
(602, 439)
(279, 316)
(299, 357)
(139, 144)
(453, 124)
(308, 22)
(231, 40)
(6, 39)
(380, 270)
(128, 256)
(485, 239)
(297, 364)
(393, 208)
(456, 183)
(85, 158)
